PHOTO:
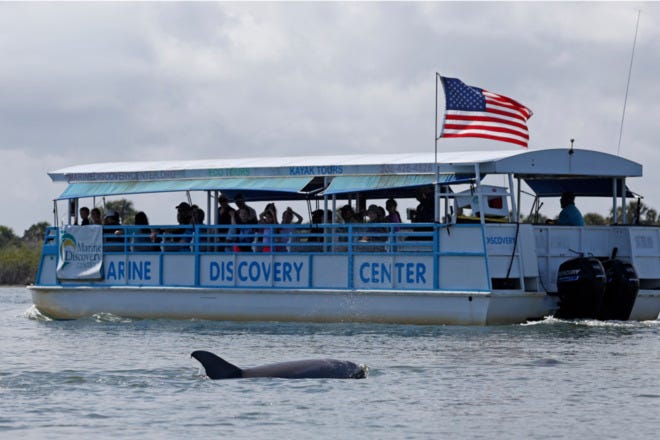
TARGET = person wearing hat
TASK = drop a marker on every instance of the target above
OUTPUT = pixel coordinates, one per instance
(110, 217)
(569, 215)
(111, 235)
(184, 214)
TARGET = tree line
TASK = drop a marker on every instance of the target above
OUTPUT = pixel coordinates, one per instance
(19, 256)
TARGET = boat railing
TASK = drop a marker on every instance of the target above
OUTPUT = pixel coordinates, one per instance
(333, 238)
(300, 238)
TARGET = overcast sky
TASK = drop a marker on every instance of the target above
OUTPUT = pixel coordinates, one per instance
(95, 82)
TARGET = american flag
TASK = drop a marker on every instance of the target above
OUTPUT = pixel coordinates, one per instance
(474, 112)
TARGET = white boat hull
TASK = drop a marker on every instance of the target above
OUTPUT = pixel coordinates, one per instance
(423, 307)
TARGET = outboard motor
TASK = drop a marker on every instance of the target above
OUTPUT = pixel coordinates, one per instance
(581, 284)
(621, 289)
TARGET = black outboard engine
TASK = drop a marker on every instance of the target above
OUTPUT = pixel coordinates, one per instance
(581, 284)
(621, 290)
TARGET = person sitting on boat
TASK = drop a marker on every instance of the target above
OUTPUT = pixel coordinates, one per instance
(269, 218)
(197, 219)
(569, 215)
(144, 238)
(225, 213)
(348, 216)
(393, 215)
(181, 234)
(319, 216)
(242, 236)
(424, 211)
(95, 217)
(375, 215)
(286, 234)
(240, 203)
(84, 216)
(110, 234)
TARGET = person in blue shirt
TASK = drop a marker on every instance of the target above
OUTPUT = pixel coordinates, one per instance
(569, 215)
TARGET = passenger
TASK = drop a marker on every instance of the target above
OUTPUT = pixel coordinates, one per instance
(424, 214)
(184, 217)
(84, 216)
(569, 215)
(240, 203)
(286, 234)
(424, 211)
(96, 217)
(380, 214)
(144, 238)
(110, 234)
(243, 236)
(197, 215)
(111, 218)
(374, 233)
(316, 232)
(268, 219)
(273, 210)
(348, 214)
(184, 213)
(197, 220)
(225, 214)
(288, 215)
(393, 215)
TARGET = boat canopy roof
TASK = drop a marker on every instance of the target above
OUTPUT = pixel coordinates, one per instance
(548, 172)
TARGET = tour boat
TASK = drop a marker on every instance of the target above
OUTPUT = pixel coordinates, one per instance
(474, 262)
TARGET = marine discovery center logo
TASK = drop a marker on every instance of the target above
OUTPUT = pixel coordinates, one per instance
(80, 252)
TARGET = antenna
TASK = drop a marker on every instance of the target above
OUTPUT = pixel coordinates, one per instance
(571, 150)
(625, 99)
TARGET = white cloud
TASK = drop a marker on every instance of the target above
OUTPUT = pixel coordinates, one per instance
(90, 82)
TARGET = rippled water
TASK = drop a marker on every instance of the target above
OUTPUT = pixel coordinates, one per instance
(114, 378)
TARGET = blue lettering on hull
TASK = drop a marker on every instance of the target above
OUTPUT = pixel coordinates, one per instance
(131, 271)
(401, 273)
(261, 272)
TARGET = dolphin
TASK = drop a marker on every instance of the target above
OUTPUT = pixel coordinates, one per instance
(218, 368)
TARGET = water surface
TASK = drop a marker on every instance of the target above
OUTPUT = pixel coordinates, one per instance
(108, 377)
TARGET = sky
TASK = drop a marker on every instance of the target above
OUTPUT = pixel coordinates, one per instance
(97, 82)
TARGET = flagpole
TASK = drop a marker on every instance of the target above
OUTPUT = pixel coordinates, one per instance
(436, 118)
(436, 204)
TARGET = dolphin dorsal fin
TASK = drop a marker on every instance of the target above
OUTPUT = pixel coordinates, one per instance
(216, 367)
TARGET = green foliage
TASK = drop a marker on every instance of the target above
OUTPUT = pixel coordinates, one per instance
(636, 213)
(19, 263)
(7, 237)
(537, 219)
(125, 210)
(36, 232)
(19, 258)
(591, 218)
